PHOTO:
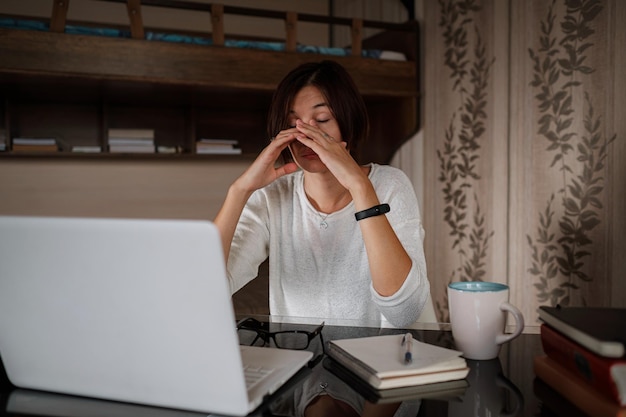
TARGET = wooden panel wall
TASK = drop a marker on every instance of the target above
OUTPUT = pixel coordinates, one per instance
(115, 188)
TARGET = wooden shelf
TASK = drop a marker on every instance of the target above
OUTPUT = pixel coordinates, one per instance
(79, 111)
(126, 156)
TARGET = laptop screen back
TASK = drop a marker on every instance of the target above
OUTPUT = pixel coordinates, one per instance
(130, 310)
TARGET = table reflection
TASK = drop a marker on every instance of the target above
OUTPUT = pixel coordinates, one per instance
(324, 393)
(490, 393)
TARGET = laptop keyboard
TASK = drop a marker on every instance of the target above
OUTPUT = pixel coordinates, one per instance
(254, 374)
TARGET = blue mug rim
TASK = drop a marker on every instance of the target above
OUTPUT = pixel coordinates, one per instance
(478, 286)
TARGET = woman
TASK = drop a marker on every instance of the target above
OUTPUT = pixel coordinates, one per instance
(334, 250)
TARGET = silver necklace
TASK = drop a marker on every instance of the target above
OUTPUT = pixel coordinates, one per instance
(323, 217)
(323, 224)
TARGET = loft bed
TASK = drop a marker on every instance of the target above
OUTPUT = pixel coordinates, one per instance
(210, 79)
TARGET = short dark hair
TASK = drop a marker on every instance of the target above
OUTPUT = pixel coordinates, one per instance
(339, 90)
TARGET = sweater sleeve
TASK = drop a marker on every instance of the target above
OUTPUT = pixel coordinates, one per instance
(404, 307)
(249, 247)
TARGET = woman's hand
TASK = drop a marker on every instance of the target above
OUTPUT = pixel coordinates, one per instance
(263, 170)
(261, 173)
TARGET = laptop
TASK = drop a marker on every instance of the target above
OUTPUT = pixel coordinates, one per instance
(131, 310)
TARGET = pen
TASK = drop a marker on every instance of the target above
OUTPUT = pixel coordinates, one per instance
(407, 342)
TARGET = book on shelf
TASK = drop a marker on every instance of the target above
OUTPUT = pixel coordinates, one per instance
(606, 375)
(599, 329)
(576, 391)
(131, 133)
(168, 149)
(35, 145)
(131, 142)
(439, 390)
(131, 149)
(35, 148)
(218, 146)
(380, 361)
(232, 151)
(218, 142)
(34, 141)
(86, 149)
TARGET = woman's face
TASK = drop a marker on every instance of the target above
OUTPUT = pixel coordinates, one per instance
(309, 105)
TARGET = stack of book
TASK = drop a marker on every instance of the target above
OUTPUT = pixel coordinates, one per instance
(381, 362)
(218, 147)
(35, 145)
(131, 141)
(585, 357)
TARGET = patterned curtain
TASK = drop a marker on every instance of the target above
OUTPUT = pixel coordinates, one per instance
(525, 149)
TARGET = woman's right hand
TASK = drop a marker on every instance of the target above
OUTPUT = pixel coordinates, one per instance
(263, 170)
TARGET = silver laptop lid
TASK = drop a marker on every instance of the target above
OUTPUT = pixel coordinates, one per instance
(130, 310)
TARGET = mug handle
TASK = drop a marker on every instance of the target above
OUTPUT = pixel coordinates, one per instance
(519, 323)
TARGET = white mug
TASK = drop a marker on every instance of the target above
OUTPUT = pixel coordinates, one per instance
(478, 316)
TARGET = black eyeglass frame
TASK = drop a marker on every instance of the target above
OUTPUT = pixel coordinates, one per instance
(263, 332)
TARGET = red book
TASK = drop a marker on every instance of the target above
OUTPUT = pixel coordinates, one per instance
(605, 375)
(573, 389)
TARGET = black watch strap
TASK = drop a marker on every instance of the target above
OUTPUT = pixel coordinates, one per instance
(371, 212)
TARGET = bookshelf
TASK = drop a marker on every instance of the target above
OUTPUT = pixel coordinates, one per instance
(79, 112)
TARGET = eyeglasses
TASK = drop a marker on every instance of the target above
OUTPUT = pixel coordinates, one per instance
(256, 333)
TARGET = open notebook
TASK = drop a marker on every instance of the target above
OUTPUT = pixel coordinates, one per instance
(128, 310)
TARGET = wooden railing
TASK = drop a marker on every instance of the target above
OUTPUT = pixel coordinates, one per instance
(219, 11)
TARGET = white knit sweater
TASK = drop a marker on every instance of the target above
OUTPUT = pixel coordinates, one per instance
(324, 272)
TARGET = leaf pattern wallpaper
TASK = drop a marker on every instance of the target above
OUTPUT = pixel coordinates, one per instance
(524, 148)
(562, 244)
(468, 67)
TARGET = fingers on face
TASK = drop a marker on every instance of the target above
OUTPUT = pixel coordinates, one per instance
(285, 137)
(312, 130)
